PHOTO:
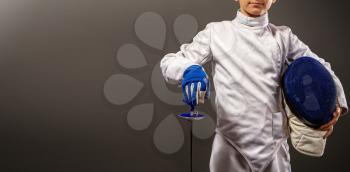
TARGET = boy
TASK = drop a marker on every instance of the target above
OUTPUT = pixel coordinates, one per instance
(247, 55)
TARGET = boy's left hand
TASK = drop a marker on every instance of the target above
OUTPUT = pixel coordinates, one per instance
(329, 126)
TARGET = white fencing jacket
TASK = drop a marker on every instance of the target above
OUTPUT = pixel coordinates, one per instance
(247, 56)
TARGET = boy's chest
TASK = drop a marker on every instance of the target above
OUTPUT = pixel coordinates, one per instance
(255, 50)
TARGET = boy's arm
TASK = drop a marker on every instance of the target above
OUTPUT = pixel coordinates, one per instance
(297, 48)
(198, 52)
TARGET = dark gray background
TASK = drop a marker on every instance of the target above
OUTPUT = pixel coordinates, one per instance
(56, 55)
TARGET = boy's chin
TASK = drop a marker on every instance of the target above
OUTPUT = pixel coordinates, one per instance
(256, 12)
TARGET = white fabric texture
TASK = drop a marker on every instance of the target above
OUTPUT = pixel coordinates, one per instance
(306, 140)
(247, 56)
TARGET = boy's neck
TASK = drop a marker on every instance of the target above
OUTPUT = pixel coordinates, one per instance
(250, 15)
(260, 21)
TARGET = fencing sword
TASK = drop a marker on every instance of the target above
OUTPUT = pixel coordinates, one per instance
(191, 116)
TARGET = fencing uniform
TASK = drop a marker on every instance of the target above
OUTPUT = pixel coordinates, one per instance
(247, 56)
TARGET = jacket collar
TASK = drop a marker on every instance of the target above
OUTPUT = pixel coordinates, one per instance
(260, 21)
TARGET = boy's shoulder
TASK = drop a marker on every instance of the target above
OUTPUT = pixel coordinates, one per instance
(283, 31)
(281, 28)
(216, 24)
(220, 26)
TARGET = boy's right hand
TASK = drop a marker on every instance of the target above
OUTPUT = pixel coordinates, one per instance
(195, 85)
(329, 126)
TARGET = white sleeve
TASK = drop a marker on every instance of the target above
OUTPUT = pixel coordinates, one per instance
(297, 48)
(198, 52)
